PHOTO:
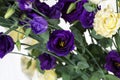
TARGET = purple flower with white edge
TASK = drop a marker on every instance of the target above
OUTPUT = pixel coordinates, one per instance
(87, 19)
(38, 25)
(61, 42)
(113, 62)
(47, 61)
(25, 4)
(6, 44)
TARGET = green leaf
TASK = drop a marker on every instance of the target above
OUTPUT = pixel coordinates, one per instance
(27, 32)
(36, 52)
(37, 49)
(66, 76)
(29, 64)
(111, 77)
(78, 36)
(71, 8)
(97, 76)
(96, 36)
(18, 44)
(82, 65)
(4, 21)
(105, 42)
(95, 49)
(45, 37)
(117, 39)
(33, 46)
(78, 26)
(38, 66)
(53, 21)
(90, 7)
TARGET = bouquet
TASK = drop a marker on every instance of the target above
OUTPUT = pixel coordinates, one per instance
(58, 53)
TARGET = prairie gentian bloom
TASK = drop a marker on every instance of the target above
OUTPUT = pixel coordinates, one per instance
(75, 14)
(25, 4)
(51, 12)
(47, 61)
(113, 63)
(6, 45)
(61, 42)
(106, 22)
(38, 25)
(87, 19)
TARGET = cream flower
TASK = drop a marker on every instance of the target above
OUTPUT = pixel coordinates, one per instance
(106, 22)
(28, 71)
(50, 75)
(15, 35)
(29, 41)
(33, 73)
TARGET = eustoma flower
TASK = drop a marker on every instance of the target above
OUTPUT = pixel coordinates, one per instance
(61, 42)
(79, 13)
(87, 19)
(6, 45)
(38, 24)
(25, 4)
(106, 22)
(47, 61)
(113, 63)
(51, 12)
(75, 14)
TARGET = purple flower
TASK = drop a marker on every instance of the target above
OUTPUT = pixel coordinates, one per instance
(47, 61)
(61, 42)
(51, 12)
(113, 63)
(6, 45)
(87, 19)
(25, 4)
(42, 7)
(38, 24)
(54, 13)
(75, 14)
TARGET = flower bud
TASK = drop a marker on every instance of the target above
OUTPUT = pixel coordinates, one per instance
(71, 8)
(9, 12)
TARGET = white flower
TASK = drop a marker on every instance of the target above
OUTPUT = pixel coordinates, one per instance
(106, 22)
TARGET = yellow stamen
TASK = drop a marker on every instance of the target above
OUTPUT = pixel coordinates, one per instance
(62, 44)
(117, 64)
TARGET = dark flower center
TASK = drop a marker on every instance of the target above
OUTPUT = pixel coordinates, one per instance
(117, 64)
(61, 43)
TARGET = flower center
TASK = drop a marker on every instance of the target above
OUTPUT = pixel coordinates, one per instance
(117, 64)
(62, 44)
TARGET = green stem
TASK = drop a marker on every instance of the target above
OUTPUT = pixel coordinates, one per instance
(55, 56)
(59, 58)
(10, 29)
(69, 61)
(25, 44)
(19, 32)
(117, 5)
(96, 62)
(23, 54)
(39, 13)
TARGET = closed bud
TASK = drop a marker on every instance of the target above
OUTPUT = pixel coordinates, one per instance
(9, 12)
(71, 8)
